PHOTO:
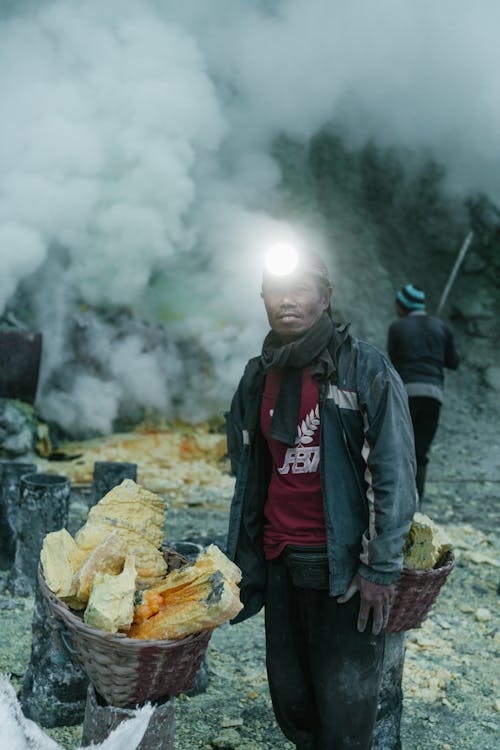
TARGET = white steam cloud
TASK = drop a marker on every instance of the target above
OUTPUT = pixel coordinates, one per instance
(134, 135)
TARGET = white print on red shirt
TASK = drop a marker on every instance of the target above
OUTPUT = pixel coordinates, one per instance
(302, 460)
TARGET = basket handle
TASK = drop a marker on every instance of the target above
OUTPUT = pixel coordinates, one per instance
(67, 651)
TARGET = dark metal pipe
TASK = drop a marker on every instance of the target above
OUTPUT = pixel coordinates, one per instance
(10, 477)
(54, 687)
(43, 507)
(107, 474)
(101, 718)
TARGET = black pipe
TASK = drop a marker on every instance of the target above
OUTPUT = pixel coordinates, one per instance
(43, 507)
(107, 474)
(10, 477)
(54, 689)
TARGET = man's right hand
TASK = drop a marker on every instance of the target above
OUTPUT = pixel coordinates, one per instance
(374, 597)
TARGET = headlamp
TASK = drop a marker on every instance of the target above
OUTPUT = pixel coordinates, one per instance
(281, 259)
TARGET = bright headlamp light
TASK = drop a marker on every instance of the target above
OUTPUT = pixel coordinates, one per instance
(281, 259)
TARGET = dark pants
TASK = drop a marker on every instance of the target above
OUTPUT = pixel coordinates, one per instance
(425, 417)
(324, 676)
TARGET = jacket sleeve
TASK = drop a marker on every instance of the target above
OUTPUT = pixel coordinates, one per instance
(234, 429)
(235, 417)
(389, 456)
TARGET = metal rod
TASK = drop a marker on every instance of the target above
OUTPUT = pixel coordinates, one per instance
(454, 271)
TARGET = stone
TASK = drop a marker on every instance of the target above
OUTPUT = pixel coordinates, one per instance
(18, 429)
(492, 378)
(227, 739)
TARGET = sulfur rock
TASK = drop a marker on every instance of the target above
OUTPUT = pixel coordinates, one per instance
(426, 543)
(111, 602)
(60, 557)
(197, 597)
(128, 519)
(128, 507)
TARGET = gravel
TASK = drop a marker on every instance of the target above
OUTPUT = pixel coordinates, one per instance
(451, 680)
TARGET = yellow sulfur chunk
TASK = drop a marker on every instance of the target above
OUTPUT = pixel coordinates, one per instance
(111, 602)
(179, 583)
(196, 597)
(129, 507)
(202, 606)
(426, 543)
(128, 519)
(107, 557)
(60, 557)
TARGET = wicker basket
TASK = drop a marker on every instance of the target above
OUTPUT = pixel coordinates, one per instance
(127, 671)
(416, 592)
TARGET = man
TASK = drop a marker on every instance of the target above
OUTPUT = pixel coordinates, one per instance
(420, 346)
(320, 440)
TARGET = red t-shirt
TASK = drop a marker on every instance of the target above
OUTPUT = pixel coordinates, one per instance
(293, 512)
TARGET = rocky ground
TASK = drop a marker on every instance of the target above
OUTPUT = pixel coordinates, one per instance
(451, 680)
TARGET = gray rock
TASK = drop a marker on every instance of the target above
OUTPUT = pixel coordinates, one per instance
(17, 429)
(492, 377)
(228, 739)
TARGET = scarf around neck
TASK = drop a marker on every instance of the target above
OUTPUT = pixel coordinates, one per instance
(310, 349)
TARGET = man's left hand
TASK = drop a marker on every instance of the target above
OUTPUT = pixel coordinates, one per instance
(374, 597)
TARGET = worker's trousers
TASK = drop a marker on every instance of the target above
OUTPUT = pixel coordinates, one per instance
(324, 676)
(424, 413)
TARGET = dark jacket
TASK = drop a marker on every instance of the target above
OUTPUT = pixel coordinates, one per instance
(367, 469)
(419, 346)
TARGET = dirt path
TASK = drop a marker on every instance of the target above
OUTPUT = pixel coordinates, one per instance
(451, 680)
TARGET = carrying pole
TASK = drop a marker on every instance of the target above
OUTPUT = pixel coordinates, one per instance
(454, 271)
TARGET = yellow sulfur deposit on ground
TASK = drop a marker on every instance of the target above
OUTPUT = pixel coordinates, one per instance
(425, 545)
(169, 460)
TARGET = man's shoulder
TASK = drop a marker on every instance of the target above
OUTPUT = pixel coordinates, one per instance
(363, 350)
(251, 371)
(370, 363)
(252, 366)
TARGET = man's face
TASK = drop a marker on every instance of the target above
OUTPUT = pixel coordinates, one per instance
(293, 304)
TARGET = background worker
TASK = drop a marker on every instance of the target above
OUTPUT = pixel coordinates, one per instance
(420, 346)
(321, 442)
